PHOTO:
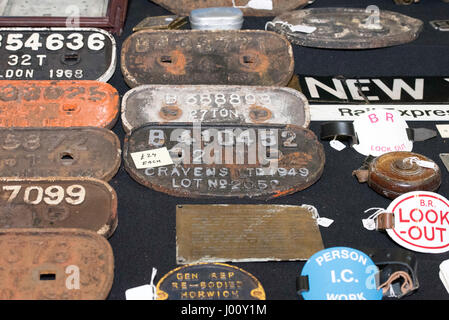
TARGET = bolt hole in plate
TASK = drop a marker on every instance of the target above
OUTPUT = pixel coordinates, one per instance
(55, 264)
(231, 57)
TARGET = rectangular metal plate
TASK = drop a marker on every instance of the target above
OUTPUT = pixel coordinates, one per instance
(44, 103)
(55, 264)
(83, 203)
(57, 54)
(59, 152)
(243, 233)
(346, 98)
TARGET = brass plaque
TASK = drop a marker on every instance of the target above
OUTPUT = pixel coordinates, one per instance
(243, 233)
(209, 281)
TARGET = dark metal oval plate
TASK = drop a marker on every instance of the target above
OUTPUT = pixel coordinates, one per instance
(57, 54)
(214, 104)
(59, 152)
(231, 57)
(249, 7)
(209, 281)
(393, 174)
(50, 264)
(348, 28)
(62, 103)
(83, 203)
(224, 161)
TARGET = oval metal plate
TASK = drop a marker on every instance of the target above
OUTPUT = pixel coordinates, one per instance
(231, 57)
(58, 104)
(249, 7)
(83, 203)
(59, 152)
(209, 281)
(57, 54)
(214, 104)
(224, 161)
(393, 174)
(49, 264)
(348, 28)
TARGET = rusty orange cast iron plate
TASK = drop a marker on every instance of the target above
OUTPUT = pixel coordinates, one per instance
(214, 104)
(245, 233)
(231, 57)
(209, 281)
(83, 203)
(249, 7)
(58, 104)
(224, 161)
(63, 264)
(59, 152)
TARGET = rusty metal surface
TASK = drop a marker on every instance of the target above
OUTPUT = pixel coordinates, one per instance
(348, 28)
(393, 174)
(64, 264)
(209, 281)
(59, 152)
(249, 8)
(82, 203)
(245, 233)
(226, 161)
(231, 57)
(58, 104)
(214, 104)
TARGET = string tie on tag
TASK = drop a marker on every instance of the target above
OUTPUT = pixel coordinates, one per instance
(153, 287)
(324, 222)
(370, 222)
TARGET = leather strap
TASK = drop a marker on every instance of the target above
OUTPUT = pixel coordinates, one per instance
(397, 271)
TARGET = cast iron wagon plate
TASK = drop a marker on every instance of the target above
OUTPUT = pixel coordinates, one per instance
(57, 54)
(59, 152)
(214, 104)
(83, 203)
(348, 28)
(209, 281)
(224, 161)
(248, 7)
(231, 57)
(55, 264)
(63, 103)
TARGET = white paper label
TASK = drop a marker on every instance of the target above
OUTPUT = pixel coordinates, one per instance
(152, 158)
(260, 4)
(443, 129)
(302, 28)
(421, 222)
(381, 131)
(337, 145)
(145, 292)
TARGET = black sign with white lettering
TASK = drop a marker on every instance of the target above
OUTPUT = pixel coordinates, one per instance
(375, 90)
(345, 98)
(56, 54)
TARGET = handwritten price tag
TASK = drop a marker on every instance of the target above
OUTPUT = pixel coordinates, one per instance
(152, 158)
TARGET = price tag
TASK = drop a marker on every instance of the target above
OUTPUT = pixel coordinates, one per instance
(152, 158)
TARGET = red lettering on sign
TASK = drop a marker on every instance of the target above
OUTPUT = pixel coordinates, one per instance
(373, 118)
(389, 116)
(401, 219)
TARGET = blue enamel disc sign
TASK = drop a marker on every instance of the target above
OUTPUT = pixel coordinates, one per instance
(341, 273)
